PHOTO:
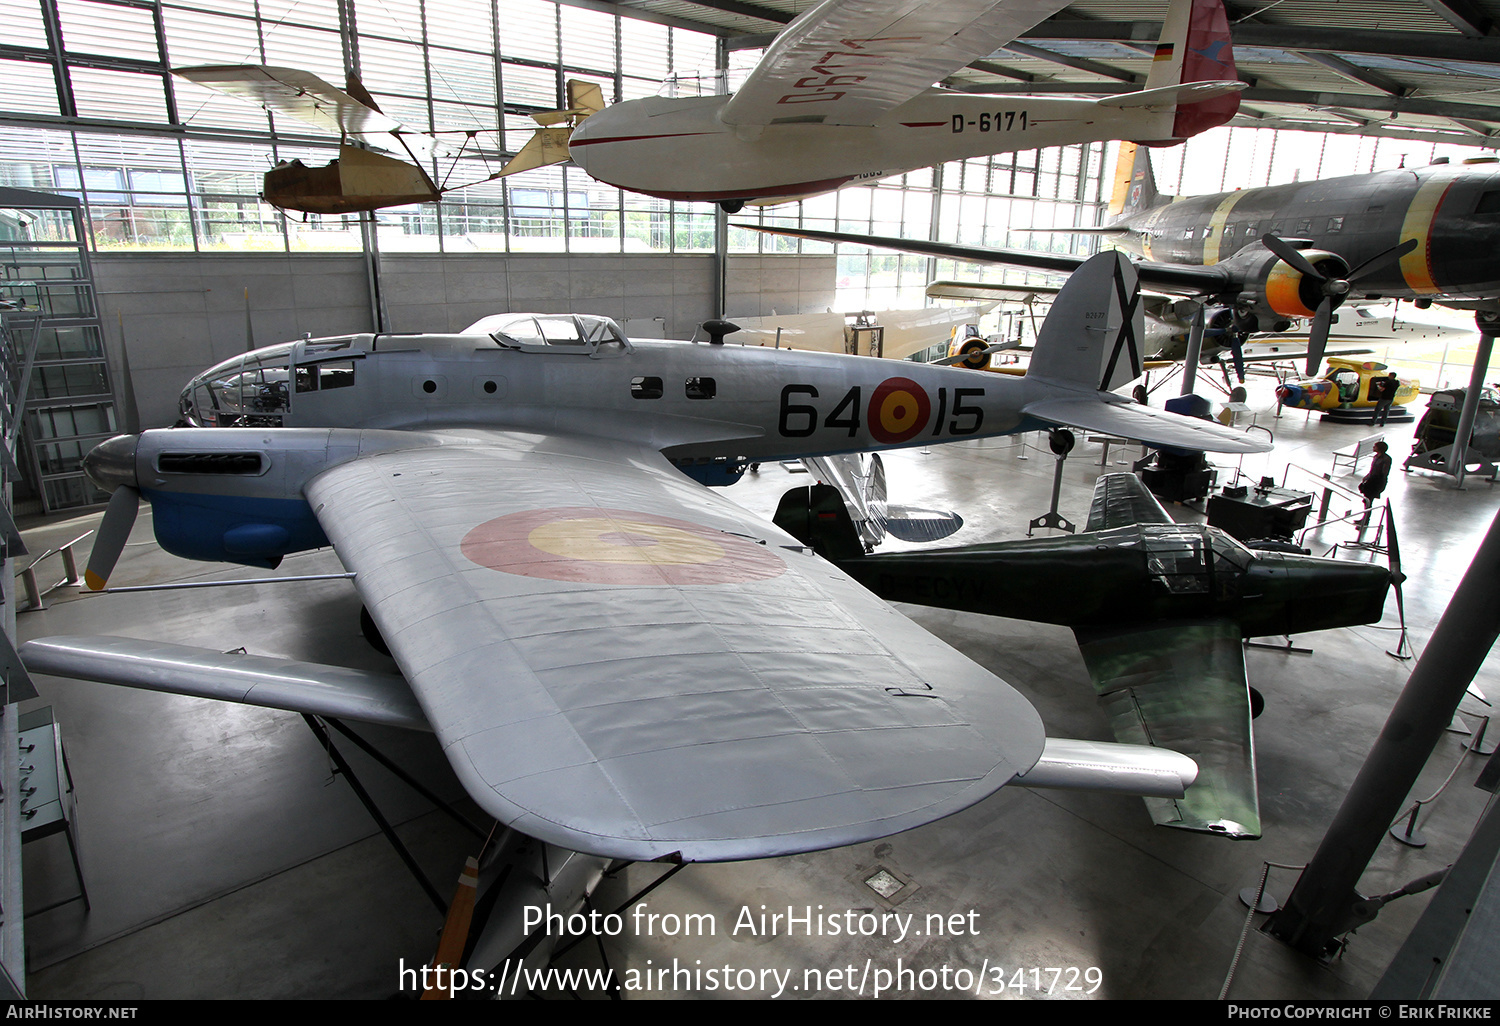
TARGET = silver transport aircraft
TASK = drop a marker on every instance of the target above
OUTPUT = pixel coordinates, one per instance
(616, 659)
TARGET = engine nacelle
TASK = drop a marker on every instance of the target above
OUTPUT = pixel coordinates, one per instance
(1276, 291)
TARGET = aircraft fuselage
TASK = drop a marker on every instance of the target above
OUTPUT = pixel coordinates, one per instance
(625, 145)
(1133, 575)
(1453, 211)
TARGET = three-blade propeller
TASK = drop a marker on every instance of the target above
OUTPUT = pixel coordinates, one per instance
(114, 531)
(1335, 290)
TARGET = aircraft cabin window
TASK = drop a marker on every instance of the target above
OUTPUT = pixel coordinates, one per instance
(646, 388)
(700, 388)
(1335, 224)
(335, 375)
(1489, 203)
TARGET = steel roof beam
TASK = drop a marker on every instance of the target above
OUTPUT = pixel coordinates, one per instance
(1462, 15)
(1355, 73)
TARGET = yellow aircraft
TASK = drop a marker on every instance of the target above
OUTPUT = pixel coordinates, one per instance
(1345, 389)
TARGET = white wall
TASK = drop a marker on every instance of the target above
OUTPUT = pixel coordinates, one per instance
(179, 314)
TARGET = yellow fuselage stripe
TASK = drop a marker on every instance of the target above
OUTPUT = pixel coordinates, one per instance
(1216, 228)
(1416, 266)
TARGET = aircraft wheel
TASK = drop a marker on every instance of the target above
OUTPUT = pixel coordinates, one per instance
(1257, 703)
(371, 632)
(1060, 440)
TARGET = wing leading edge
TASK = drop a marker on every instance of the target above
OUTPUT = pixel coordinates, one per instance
(618, 661)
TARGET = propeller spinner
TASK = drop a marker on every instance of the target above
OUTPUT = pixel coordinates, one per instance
(1334, 289)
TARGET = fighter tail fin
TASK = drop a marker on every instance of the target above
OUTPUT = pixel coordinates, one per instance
(1195, 47)
(1091, 338)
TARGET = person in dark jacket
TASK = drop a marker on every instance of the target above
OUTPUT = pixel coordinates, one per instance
(1374, 482)
(1383, 391)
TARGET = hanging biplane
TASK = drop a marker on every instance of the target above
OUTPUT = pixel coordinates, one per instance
(362, 178)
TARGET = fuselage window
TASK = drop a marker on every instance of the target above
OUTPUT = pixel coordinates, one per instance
(1489, 203)
(335, 375)
(646, 388)
(700, 388)
(1335, 224)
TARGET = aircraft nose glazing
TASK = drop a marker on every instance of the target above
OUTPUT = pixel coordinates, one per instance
(111, 463)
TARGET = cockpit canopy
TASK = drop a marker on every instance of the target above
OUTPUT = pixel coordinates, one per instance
(255, 390)
(530, 332)
(1189, 558)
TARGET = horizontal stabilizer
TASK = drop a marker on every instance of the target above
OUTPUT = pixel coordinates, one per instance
(1154, 427)
(1112, 768)
(1167, 96)
(985, 291)
(314, 688)
(1123, 500)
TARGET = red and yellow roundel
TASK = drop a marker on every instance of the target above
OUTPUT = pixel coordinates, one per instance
(589, 545)
(898, 410)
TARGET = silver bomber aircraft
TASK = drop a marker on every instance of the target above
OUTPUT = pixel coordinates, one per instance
(616, 659)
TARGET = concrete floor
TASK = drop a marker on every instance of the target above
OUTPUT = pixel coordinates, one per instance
(224, 859)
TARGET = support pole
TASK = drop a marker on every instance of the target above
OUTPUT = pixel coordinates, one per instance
(1322, 907)
(1460, 452)
(1194, 352)
(375, 813)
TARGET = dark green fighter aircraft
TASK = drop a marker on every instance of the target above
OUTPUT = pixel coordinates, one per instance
(1259, 258)
(1159, 610)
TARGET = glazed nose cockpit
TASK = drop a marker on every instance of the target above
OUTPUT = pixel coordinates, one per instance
(258, 389)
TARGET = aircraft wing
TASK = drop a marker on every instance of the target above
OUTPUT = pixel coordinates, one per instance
(293, 93)
(1125, 419)
(1172, 279)
(1123, 500)
(846, 62)
(1183, 687)
(619, 661)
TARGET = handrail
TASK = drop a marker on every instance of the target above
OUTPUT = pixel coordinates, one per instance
(70, 567)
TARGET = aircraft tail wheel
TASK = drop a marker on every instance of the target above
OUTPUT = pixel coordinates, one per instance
(371, 632)
(1061, 441)
(1257, 703)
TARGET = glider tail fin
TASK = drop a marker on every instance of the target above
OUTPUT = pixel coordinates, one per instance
(1195, 47)
(1091, 338)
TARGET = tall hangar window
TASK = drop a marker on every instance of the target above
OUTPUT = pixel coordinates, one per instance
(104, 80)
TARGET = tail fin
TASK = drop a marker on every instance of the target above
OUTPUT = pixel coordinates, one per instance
(1195, 47)
(817, 517)
(1135, 182)
(1091, 338)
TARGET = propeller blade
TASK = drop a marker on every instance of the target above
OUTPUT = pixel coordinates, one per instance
(1394, 253)
(1393, 554)
(1317, 336)
(1393, 549)
(974, 355)
(1291, 257)
(1237, 351)
(114, 531)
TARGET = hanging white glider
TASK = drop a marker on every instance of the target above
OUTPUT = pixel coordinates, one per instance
(846, 93)
(616, 659)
